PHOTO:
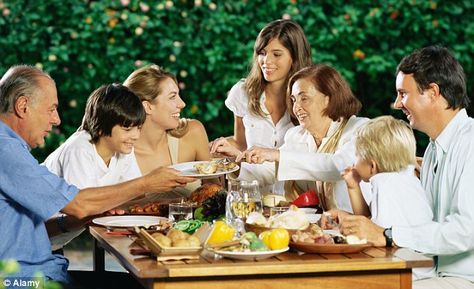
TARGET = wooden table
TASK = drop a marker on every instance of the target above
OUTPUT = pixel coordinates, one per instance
(373, 268)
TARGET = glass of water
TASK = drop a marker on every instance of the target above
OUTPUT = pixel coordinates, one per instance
(180, 211)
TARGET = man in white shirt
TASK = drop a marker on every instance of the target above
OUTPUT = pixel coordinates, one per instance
(431, 91)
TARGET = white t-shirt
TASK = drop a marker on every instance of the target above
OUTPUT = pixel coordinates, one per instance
(78, 162)
(398, 199)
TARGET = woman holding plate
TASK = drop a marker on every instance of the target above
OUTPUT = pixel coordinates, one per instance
(166, 139)
(316, 152)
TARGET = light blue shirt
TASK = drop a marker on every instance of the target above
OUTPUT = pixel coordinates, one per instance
(450, 191)
(29, 195)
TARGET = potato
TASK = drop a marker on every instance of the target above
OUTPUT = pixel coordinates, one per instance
(162, 239)
(194, 241)
(181, 243)
(176, 235)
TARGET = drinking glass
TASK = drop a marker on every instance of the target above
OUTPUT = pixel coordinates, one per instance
(233, 189)
(180, 211)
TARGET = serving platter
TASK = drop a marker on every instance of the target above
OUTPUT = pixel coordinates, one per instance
(328, 248)
(130, 221)
(250, 256)
(187, 169)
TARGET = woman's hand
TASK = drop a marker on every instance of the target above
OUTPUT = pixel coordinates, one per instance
(224, 147)
(257, 155)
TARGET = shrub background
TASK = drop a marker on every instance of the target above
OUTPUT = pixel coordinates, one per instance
(208, 45)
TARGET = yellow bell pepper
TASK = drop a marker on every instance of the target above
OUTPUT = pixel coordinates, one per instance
(275, 239)
(221, 233)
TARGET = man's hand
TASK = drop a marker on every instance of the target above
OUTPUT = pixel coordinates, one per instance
(330, 219)
(363, 228)
(165, 179)
(257, 155)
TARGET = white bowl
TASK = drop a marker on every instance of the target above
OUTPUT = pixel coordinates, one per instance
(308, 210)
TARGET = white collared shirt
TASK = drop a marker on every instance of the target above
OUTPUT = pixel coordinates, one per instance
(451, 192)
(398, 199)
(79, 163)
(259, 130)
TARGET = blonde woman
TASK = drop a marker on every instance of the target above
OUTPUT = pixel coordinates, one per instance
(166, 139)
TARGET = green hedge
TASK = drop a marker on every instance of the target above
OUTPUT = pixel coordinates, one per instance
(84, 44)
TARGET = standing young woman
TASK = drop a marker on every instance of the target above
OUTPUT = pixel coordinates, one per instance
(261, 117)
(166, 138)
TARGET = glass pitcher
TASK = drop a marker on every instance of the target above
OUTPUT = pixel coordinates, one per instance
(248, 200)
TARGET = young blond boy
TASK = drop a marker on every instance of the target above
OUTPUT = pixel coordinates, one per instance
(386, 157)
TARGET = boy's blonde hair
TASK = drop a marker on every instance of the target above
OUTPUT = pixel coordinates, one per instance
(387, 141)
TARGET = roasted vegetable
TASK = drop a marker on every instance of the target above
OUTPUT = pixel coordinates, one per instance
(214, 207)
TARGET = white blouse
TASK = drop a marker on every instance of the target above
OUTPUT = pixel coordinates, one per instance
(259, 131)
(299, 159)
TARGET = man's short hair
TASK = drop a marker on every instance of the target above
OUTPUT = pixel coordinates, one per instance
(19, 80)
(387, 141)
(111, 105)
(436, 64)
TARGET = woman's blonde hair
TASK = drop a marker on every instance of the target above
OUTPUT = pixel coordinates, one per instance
(146, 84)
(292, 37)
(387, 141)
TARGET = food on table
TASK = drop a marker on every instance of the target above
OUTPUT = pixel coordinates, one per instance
(221, 232)
(243, 208)
(252, 242)
(204, 192)
(248, 242)
(176, 238)
(206, 168)
(224, 164)
(188, 226)
(214, 207)
(162, 239)
(211, 167)
(353, 240)
(146, 208)
(273, 200)
(316, 235)
(257, 218)
(275, 239)
(293, 219)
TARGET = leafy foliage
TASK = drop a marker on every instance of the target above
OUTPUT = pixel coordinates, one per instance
(208, 45)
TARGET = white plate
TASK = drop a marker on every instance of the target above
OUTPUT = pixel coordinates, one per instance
(251, 255)
(313, 218)
(129, 221)
(187, 169)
